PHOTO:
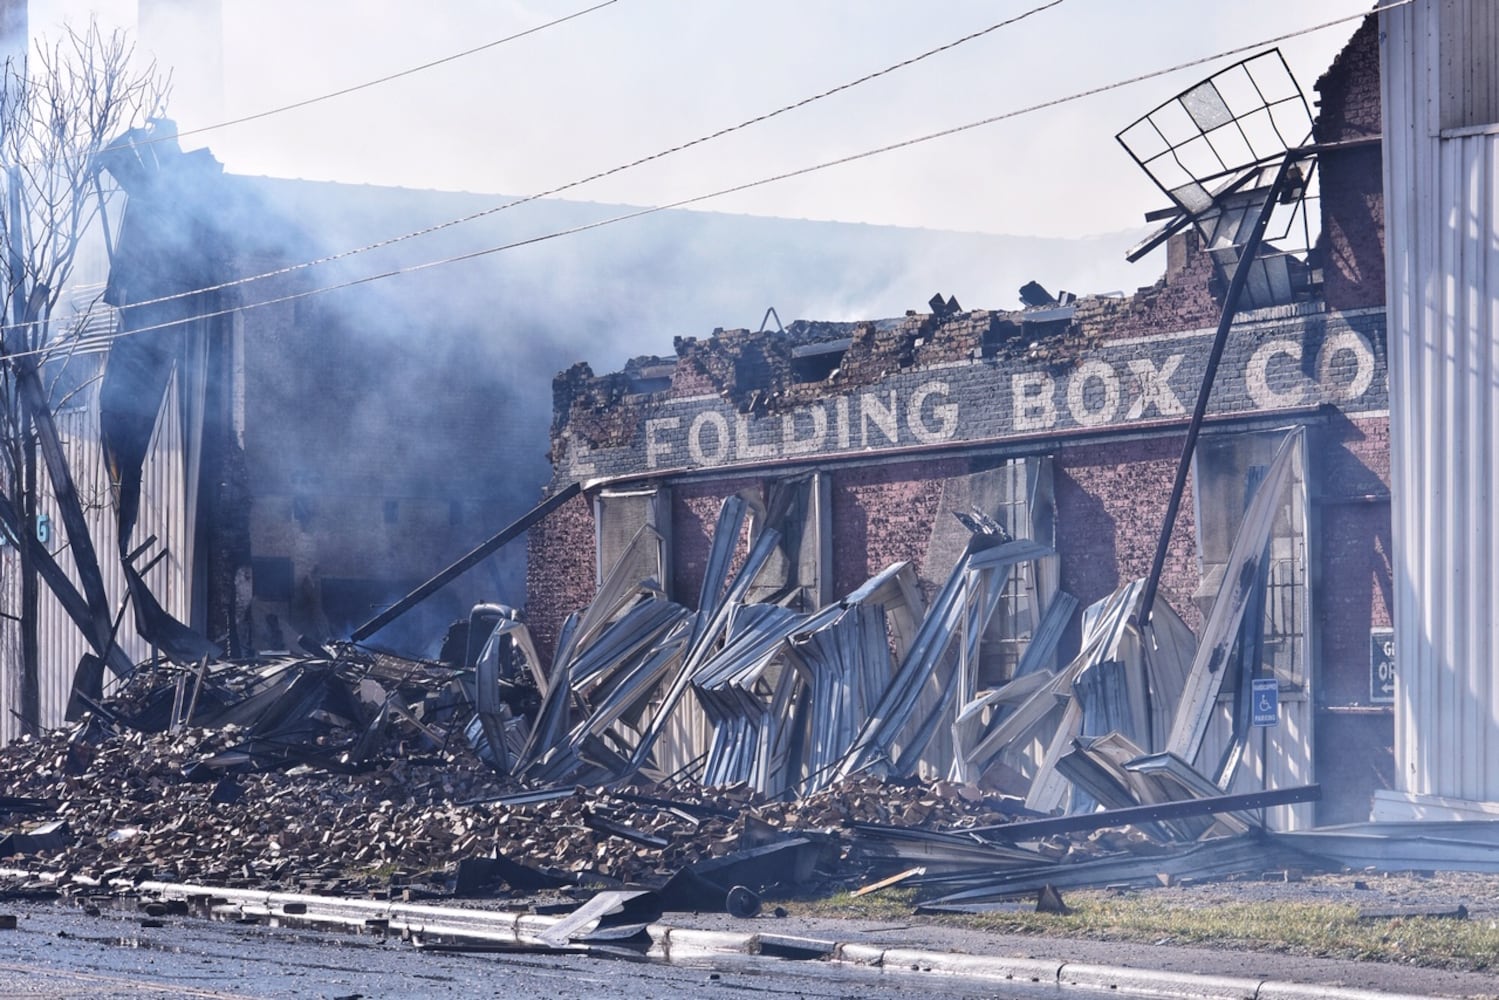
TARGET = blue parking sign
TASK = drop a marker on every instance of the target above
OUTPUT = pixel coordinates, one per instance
(1264, 709)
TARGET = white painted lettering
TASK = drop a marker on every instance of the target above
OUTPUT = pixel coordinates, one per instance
(720, 449)
(744, 450)
(1257, 375)
(945, 413)
(873, 410)
(1035, 401)
(1155, 387)
(654, 446)
(1077, 394)
(1351, 342)
(793, 445)
(840, 416)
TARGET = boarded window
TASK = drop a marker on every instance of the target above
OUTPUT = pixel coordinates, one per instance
(1025, 510)
(1272, 639)
(1228, 470)
(1017, 494)
(799, 575)
(619, 516)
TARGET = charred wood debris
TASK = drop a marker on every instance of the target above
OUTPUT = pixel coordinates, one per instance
(670, 758)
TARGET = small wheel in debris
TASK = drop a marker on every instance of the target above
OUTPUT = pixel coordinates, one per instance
(741, 902)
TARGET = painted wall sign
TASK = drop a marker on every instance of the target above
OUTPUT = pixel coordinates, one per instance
(1382, 666)
(1269, 366)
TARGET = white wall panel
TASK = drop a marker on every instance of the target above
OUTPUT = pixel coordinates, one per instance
(165, 512)
(1442, 233)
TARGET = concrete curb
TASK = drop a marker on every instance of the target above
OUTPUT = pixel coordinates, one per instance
(417, 920)
(1025, 970)
(1179, 985)
(1174, 985)
(1164, 984)
(1272, 990)
(681, 942)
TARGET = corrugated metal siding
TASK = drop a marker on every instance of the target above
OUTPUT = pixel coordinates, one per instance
(1467, 72)
(10, 643)
(165, 512)
(1442, 217)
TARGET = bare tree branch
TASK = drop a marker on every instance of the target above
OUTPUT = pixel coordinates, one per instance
(57, 112)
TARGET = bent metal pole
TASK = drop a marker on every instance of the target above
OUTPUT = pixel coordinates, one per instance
(1230, 306)
(473, 558)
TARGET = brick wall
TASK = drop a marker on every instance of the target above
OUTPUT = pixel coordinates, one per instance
(1351, 470)
(1348, 93)
(1188, 296)
(883, 515)
(1111, 493)
(1111, 501)
(694, 516)
(1354, 593)
(1351, 248)
(559, 571)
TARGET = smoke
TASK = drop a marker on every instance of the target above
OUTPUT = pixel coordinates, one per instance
(390, 426)
(394, 424)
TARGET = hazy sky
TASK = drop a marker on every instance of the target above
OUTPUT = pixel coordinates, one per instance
(639, 76)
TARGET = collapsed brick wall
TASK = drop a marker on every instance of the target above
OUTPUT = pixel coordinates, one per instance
(1188, 296)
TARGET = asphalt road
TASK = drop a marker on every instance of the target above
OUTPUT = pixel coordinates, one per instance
(59, 951)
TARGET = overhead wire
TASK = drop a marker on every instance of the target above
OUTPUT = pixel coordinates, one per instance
(387, 78)
(559, 189)
(431, 64)
(734, 189)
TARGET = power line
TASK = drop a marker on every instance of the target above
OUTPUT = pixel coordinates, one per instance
(427, 231)
(389, 76)
(371, 83)
(748, 185)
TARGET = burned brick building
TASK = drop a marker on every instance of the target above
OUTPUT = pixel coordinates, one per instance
(866, 444)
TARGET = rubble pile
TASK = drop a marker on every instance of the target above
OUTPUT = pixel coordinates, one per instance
(131, 811)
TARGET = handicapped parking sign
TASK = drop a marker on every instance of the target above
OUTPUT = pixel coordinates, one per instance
(1264, 694)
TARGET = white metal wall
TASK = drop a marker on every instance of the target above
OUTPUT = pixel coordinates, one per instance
(165, 512)
(1442, 233)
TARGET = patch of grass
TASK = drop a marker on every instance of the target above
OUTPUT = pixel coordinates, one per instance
(887, 904)
(1328, 930)
(383, 871)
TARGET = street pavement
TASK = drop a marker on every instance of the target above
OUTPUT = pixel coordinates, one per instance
(58, 950)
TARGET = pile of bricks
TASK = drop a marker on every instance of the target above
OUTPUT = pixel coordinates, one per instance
(131, 813)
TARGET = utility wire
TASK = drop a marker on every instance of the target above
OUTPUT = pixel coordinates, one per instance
(385, 79)
(343, 254)
(142, 143)
(682, 203)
